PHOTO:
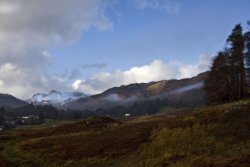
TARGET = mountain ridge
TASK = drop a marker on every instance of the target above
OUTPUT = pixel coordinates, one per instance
(55, 98)
(127, 95)
(169, 92)
(11, 101)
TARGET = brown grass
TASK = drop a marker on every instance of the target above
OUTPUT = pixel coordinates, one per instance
(108, 143)
(5, 163)
(92, 124)
(207, 137)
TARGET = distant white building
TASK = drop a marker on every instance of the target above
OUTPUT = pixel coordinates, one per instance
(28, 120)
(127, 115)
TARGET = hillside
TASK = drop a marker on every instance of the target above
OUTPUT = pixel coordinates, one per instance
(168, 92)
(11, 101)
(216, 136)
(134, 100)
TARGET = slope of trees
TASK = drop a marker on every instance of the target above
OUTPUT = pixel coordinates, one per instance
(229, 77)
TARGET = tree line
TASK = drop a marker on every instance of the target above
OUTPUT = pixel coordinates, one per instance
(229, 76)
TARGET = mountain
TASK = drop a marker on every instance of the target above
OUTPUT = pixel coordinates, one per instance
(55, 98)
(11, 101)
(178, 93)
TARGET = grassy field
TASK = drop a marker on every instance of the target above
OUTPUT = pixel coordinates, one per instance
(207, 136)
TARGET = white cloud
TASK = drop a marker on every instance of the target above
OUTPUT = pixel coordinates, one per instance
(6, 7)
(170, 6)
(155, 71)
(24, 82)
(76, 84)
(29, 28)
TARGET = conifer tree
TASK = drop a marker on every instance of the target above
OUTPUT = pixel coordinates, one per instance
(1, 115)
(217, 86)
(247, 55)
(41, 118)
(227, 78)
(236, 47)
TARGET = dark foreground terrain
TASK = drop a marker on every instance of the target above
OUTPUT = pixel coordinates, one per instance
(208, 136)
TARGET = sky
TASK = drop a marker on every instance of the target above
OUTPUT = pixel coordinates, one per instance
(93, 45)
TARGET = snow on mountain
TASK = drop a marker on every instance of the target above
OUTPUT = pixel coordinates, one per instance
(55, 98)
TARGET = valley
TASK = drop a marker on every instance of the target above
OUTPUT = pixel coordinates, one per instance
(215, 135)
(124, 83)
(132, 100)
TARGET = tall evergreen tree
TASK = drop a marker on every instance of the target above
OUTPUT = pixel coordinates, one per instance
(236, 44)
(217, 86)
(41, 118)
(227, 78)
(2, 115)
(247, 55)
(1, 119)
